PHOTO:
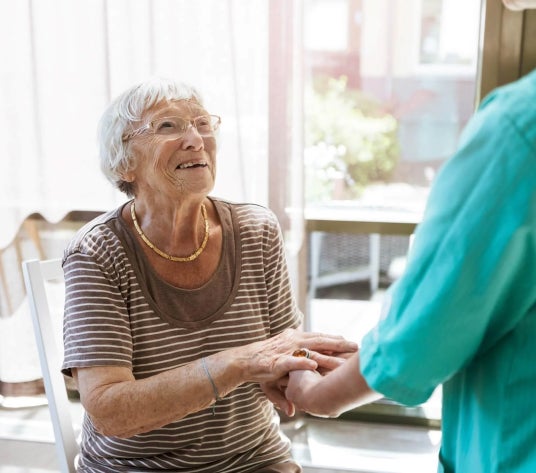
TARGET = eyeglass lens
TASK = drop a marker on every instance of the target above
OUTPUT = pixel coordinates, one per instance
(206, 125)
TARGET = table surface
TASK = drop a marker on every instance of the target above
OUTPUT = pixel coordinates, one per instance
(359, 219)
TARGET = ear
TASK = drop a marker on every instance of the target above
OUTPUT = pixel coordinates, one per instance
(128, 177)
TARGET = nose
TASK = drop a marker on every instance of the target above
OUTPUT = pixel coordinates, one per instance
(192, 139)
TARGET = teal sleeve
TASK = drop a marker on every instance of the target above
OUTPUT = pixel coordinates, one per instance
(471, 271)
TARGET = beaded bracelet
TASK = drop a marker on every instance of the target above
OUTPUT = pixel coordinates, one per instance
(214, 388)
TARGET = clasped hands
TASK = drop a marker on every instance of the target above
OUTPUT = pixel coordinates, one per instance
(289, 392)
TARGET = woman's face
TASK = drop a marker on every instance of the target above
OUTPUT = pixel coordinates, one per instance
(178, 167)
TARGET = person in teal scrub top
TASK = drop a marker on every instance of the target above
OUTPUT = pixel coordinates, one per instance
(464, 313)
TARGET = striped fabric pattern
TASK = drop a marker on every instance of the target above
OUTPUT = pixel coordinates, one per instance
(110, 319)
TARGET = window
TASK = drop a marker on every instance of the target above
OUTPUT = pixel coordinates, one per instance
(448, 33)
(388, 87)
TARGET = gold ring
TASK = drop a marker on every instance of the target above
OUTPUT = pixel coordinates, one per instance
(302, 352)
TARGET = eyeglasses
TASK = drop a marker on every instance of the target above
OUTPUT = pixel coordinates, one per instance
(176, 127)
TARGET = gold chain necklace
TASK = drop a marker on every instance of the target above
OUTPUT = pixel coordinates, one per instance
(158, 251)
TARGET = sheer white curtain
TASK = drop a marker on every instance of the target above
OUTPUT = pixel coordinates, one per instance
(62, 62)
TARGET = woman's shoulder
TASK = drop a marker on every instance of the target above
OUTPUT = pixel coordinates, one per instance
(91, 237)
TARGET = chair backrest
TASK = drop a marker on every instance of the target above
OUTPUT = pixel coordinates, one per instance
(39, 276)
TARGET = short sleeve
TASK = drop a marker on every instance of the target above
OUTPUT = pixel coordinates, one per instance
(96, 323)
(471, 272)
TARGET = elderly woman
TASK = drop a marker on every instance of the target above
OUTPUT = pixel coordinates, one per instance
(180, 324)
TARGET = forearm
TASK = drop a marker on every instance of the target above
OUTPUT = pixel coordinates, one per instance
(329, 396)
(122, 406)
(126, 407)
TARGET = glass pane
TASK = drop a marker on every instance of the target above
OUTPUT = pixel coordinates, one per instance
(389, 86)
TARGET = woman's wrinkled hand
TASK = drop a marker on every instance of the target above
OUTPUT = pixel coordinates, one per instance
(271, 359)
(269, 362)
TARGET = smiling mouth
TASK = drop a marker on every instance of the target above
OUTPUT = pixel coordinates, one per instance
(191, 165)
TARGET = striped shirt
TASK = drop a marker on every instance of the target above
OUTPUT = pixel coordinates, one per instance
(119, 313)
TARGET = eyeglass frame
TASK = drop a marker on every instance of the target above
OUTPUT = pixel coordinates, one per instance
(149, 126)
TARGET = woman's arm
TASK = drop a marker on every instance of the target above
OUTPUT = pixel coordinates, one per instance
(332, 394)
(122, 406)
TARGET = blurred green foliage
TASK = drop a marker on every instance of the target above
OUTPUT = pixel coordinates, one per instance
(350, 141)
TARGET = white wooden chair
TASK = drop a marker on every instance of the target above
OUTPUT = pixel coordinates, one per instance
(39, 278)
